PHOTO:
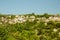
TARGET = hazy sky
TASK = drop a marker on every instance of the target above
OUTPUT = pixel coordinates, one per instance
(29, 6)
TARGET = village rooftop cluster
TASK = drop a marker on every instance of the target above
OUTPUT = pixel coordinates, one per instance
(24, 18)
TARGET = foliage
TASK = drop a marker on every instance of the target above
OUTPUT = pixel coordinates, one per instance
(30, 30)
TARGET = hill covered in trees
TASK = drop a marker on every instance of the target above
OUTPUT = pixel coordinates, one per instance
(30, 27)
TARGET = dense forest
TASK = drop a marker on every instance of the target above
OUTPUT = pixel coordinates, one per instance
(30, 27)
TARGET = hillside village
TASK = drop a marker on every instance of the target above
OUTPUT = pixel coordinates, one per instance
(31, 18)
(30, 27)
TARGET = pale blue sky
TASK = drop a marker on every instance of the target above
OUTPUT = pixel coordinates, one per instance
(29, 6)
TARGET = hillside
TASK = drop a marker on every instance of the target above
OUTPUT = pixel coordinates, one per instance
(30, 27)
